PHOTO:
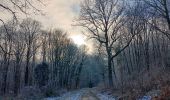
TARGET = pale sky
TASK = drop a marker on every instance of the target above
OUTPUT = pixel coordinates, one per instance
(60, 14)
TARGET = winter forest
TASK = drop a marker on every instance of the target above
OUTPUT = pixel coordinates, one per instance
(84, 49)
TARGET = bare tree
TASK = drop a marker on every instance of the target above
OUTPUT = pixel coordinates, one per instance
(7, 35)
(14, 6)
(160, 9)
(31, 29)
(82, 56)
(19, 50)
(104, 19)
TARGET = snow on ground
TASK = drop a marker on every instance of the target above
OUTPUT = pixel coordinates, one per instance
(77, 95)
(52, 98)
(146, 98)
(105, 97)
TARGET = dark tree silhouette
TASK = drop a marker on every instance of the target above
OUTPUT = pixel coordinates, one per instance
(41, 74)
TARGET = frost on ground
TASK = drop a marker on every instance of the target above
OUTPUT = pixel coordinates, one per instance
(83, 94)
(88, 94)
(75, 95)
(105, 97)
(146, 98)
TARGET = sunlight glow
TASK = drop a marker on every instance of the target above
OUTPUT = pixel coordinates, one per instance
(78, 40)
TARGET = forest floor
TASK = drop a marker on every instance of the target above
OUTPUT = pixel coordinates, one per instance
(83, 94)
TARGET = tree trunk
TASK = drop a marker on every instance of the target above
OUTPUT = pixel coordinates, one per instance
(4, 84)
(167, 13)
(78, 76)
(4, 74)
(26, 76)
(27, 66)
(17, 78)
(110, 73)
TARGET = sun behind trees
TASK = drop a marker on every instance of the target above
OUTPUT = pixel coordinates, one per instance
(130, 58)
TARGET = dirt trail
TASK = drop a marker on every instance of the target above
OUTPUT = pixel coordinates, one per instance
(88, 95)
(83, 94)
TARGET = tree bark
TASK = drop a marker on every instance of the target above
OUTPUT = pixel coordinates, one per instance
(110, 76)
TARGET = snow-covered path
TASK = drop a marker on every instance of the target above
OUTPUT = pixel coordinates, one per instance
(83, 94)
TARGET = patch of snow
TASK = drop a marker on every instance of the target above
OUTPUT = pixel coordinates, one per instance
(105, 97)
(52, 98)
(72, 96)
(146, 98)
(154, 93)
(76, 95)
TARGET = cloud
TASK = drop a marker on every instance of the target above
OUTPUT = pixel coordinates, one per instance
(60, 14)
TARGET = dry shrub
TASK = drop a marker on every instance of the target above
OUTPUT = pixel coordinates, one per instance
(147, 81)
(154, 83)
(165, 92)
